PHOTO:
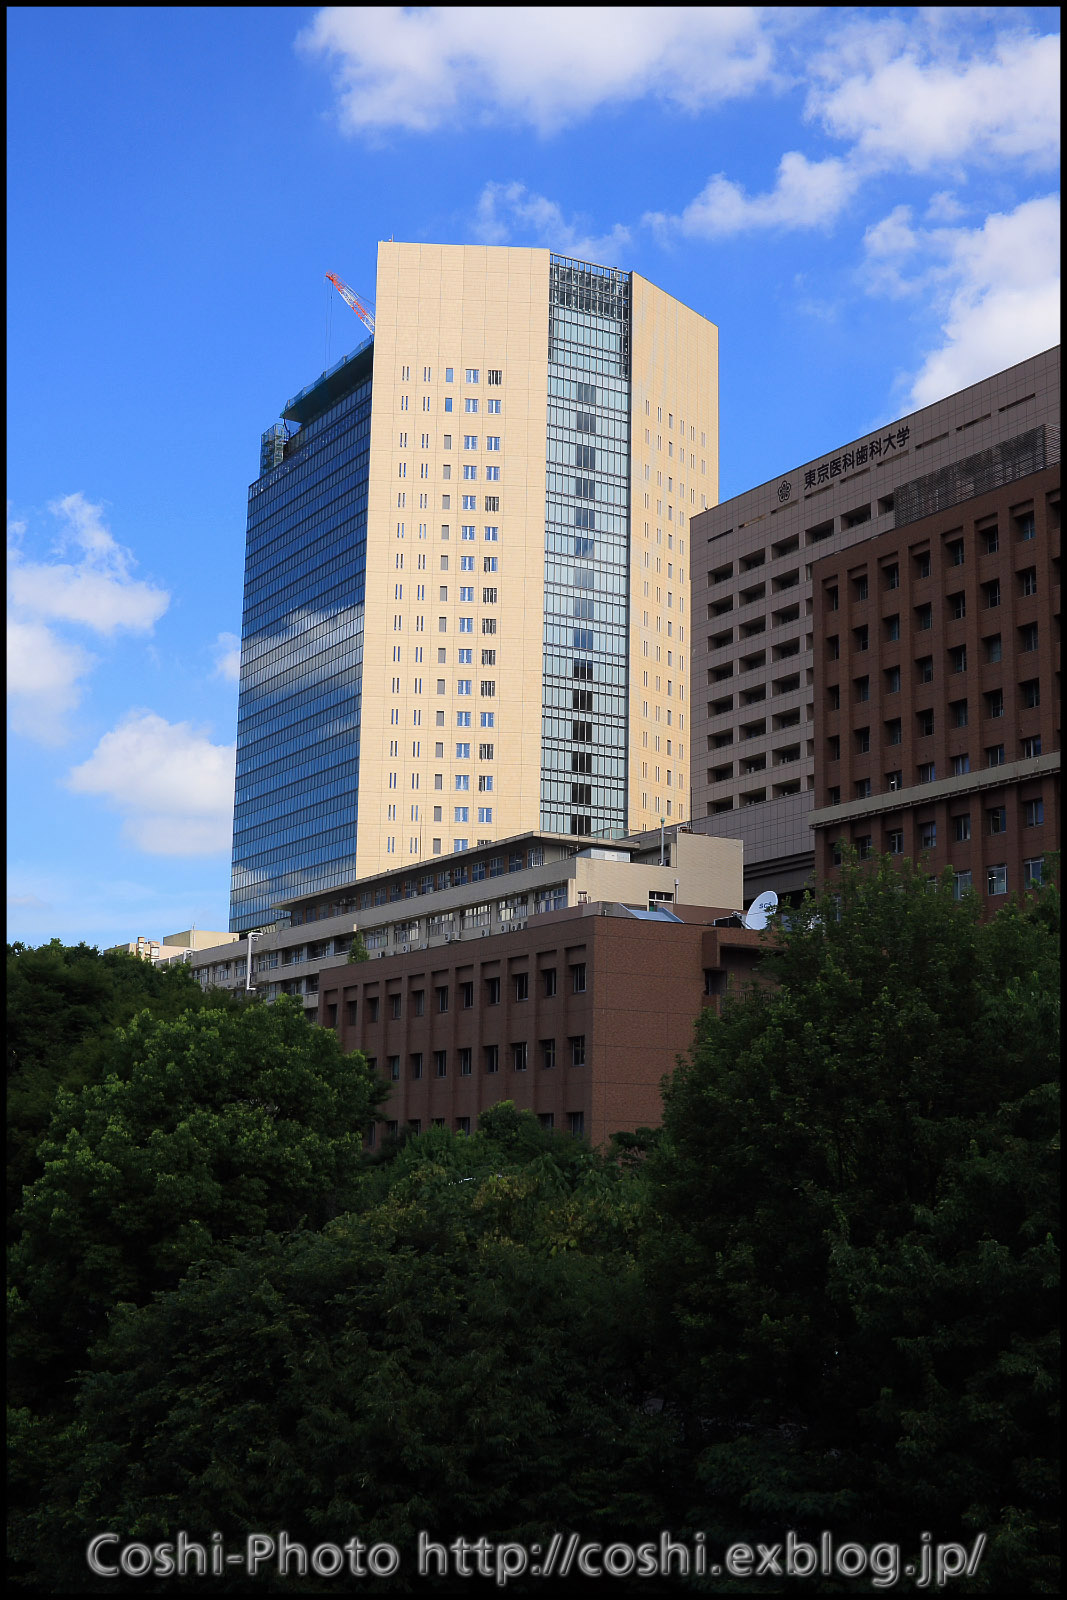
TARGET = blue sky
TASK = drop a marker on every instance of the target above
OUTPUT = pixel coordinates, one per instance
(865, 200)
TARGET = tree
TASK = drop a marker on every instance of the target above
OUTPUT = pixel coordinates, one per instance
(358, 950)
(64, 1003)
(211, 1128)
(851, 1230)
(432, 1360)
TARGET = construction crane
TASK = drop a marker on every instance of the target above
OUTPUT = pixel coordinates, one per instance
(351, 300)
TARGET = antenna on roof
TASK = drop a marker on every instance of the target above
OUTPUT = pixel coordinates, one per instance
(761, 908)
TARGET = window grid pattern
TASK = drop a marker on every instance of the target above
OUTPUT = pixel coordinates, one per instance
(298, 712)
(587, 536)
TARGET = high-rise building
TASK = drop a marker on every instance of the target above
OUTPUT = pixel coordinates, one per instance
(761, 713)
(466, 608)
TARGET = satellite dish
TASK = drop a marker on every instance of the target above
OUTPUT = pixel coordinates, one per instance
(760, 909)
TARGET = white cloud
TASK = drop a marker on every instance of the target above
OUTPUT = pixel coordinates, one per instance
(43, 680)
(228, 657)
(996, 287)
(95, 591)
(549, 66)
(905, 94)
(806, 194)
(173, 787)
(508, 212)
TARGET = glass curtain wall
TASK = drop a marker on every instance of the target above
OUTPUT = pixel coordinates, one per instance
(587, 540)
(298, 715)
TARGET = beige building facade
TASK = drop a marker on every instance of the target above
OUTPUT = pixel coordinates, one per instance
(477, 620)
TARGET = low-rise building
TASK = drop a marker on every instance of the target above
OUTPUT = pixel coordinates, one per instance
(576, 1014)
(473, 894)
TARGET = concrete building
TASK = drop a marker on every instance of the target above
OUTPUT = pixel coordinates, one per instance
(475, 894)
(937, 679)
(576, 1015)
(756, 718)
(173, 946)
(466, 609)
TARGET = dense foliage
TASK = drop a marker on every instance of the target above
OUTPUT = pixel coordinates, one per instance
(821, 1296)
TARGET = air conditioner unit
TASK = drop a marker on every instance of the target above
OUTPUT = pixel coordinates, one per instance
(485, 933)
(519, 926)
(403, 947)
(448, 938)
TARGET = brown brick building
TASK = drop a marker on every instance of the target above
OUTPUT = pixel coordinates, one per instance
(936, 692)
(756, 722)
(576, 1016)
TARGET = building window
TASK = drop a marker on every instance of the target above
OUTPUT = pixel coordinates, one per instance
(1031, 692)
(862, 688)
(925, 722)
(892, 680)
(957, 658)
(1031, 747)
(394, 1068)
(440, 1063)
(894, 842)
(922, 564)
(927, 835)
(548, 1054)
(463, 1125)
(997, 819)
(961, 884)
(492, 1058)
(416, 1064)
(522, 986)
(492, 991)
(1028, 581)
(442, 998)
(958, 713)
(927, 772)
(519, 1057)
(894, 780)
(997, 880)
(955, 552)
(465, 1062)
(466, 996)
(961, 827)
(373, 1004)
(892, 628)
(394, 1006)
(863, 788)
(994, 703)
(576, 1123)
(863, 741)
(925, 664)
(1034, 871)
(960, 765)
(861, 638)
(1033, 813)
(548, 981)
(991, 594)
(577, 1044)
(578, 978)
(864, 846)
(891, 575)
(957, 606)
(994, 755)
(893, 731)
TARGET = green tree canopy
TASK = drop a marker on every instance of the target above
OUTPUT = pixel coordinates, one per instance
(851, 1228)
(211, 1128)
(64, 1003)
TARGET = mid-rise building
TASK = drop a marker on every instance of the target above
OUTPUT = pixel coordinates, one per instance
(466, 609)
(937, 678)
(757, 719)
